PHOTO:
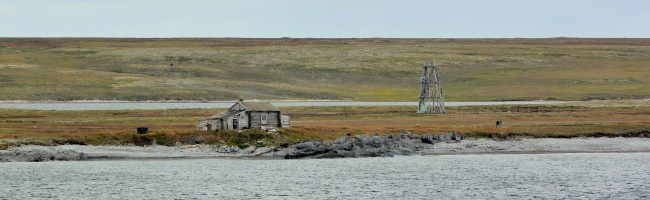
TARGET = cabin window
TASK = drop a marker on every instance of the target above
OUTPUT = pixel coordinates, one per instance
(264, 120)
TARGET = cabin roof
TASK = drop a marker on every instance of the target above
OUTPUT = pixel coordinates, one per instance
(224, 114)
(247, 106)
(258, 106)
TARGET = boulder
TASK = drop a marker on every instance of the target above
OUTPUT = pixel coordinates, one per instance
(226, 149)
(263, 150)
(302, 153)
(247, 151)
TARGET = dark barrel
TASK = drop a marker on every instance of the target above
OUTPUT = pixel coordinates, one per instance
(143, 130)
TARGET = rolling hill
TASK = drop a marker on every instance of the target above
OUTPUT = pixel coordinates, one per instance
(358, 69)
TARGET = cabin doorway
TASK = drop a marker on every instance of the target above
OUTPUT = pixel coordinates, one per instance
(235, 124)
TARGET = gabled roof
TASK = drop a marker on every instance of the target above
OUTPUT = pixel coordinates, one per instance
(223, 114)
(245, 106)
(255, 106)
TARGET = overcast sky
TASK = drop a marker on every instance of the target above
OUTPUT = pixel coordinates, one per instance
(326, 18)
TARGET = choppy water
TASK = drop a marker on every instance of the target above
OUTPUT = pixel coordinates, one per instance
(541, 176)
(163, 105)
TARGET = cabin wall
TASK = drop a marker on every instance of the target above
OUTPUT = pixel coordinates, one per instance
(241, 122)
(285, 121)
(201, 126)
(245, 120)
(225, 123)
(272, 119)
(209, 125)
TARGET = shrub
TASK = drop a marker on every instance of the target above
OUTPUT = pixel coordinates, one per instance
(4, 146)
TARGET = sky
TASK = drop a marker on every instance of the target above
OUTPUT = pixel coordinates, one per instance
(326, 18)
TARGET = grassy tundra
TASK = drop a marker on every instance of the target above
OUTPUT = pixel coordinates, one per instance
(376, 69)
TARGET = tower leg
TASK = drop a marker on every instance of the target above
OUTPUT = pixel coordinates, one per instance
(422, 106)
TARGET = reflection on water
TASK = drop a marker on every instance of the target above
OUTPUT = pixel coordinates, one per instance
(534, 176)
(160, 105)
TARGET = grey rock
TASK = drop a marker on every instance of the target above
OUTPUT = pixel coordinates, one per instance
(373, 145)
(302, 153)
(263, 150)
(307, 145)
(428, 139)
(40, 154)
(227, 149)
(248, 150)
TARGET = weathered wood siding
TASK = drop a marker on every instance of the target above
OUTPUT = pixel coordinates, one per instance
(272, 119)
(285, 121)
(227, 122)
(214, 124)
(242, 118)
(245, 115)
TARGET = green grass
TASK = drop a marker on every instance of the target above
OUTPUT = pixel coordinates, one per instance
(376, 69)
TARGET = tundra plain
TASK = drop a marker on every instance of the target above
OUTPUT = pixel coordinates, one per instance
(367, 69)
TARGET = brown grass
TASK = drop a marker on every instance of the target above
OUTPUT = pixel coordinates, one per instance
(629, 118)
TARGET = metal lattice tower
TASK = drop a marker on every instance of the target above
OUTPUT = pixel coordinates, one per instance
(431, 101)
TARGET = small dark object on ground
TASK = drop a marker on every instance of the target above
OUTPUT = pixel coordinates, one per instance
(143, 130)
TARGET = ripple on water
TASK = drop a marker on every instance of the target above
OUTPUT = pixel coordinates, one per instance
(582, 176)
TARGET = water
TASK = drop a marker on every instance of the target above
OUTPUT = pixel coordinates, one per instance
(531, 176)
(161, 105)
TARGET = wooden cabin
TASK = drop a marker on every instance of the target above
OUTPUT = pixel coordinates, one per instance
(246, 115)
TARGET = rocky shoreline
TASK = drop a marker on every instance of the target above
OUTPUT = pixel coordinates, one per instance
(404, 143)
(370, 145)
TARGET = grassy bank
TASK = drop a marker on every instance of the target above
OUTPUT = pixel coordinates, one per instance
(626, 118)
(374, 69)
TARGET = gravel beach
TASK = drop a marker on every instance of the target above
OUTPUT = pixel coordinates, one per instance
(545, 145)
